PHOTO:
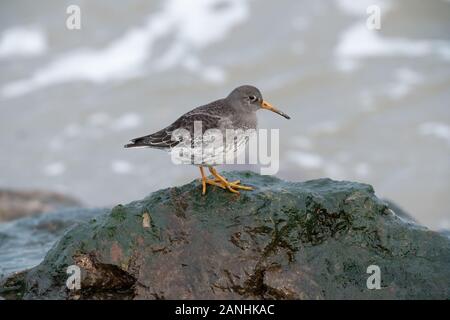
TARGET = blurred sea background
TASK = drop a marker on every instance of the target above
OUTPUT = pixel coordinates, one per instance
(366, 105)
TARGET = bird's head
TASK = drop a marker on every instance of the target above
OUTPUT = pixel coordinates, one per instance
(250, 98)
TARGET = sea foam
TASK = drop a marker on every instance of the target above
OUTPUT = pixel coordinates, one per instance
(358, 42)
(435, 129)
(181, 21)
(22, 41)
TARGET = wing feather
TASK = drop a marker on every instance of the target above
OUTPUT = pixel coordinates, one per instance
(163, 138)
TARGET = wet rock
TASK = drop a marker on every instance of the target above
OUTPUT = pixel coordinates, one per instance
(400, 211)
(17, 204)
(24, 242)
(445, 232)
(284, 240)
(13, 287)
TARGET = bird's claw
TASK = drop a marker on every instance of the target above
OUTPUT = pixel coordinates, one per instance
(231, 186)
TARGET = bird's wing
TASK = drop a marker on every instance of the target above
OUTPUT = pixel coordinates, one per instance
(163, 138)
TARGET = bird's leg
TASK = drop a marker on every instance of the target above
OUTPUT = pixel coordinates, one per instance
(222, 179)
(231, 186)
(205, 181)
(232, 182)
(236, 184)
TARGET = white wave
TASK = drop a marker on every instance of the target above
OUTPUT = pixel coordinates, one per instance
(98, 119)
(358, 42)
(54, 169)
(367, 99)
(210, 73)
(359, 7)
(56, 144)
(72, 130)
(306, 160)
(302, 142)
(325, 127)
(405, 80)
(96, 125)
(183, 20)
(331, 168)
(121, 167)
(22, 41)
(202, 22)
(444, 224)
(346, 64)
(126, 121)
(436, 129)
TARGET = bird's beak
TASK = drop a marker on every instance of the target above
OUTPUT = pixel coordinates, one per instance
(268, 106)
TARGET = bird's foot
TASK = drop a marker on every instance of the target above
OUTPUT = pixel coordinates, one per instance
(222, 182)
(215, 183)
(232, 182)
(236, 184)
(231, 186)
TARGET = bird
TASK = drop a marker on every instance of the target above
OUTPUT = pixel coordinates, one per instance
(236, 112)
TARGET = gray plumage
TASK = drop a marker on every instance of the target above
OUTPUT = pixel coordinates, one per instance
(226, 127)
(236, 111)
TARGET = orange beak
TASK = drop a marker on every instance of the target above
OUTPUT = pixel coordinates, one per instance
(268, 106)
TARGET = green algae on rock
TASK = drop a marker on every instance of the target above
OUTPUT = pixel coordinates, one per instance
(284, 240)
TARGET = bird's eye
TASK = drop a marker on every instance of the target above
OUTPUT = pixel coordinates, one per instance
(253, 98)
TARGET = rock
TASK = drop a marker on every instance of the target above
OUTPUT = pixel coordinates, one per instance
(400, 211)
(17, 204)
(445, 232)
(284, 240)
(24, 242)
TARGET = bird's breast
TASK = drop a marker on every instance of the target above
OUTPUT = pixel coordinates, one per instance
(245, 121)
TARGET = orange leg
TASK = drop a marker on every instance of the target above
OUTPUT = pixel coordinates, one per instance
(231, 186)
(202, 172)
(205, 181)
(220, 182)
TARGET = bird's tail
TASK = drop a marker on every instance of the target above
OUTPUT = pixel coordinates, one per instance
(159, 140)
(137, 143)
